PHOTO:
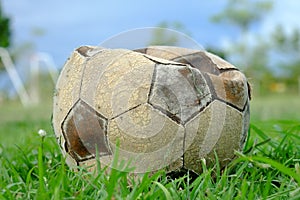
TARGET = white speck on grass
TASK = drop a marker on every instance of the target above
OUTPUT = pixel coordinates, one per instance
(42, 133)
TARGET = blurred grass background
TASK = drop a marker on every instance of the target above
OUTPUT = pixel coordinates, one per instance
(275, 107)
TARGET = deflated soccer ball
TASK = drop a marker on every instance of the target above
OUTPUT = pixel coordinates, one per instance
(159, 107)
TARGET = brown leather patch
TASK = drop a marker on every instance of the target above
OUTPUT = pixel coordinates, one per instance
(85, 132)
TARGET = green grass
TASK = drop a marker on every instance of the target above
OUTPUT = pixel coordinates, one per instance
(276, 106)
(32, 167)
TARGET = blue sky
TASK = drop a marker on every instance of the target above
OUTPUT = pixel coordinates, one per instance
(68, 24)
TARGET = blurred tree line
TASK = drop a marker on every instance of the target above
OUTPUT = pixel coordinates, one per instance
(272, 62)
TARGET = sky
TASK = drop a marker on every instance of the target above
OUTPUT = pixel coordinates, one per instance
(66, 25)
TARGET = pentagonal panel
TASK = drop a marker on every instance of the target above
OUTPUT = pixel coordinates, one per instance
(210, 131)
(179, 91)
(115, 81)
(85, 132)
(67, 89)
(231, 86)
(148, 139)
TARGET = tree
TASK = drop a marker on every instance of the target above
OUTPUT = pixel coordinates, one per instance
(282, 41)
(243, 13)
(251, 56)
(286, 46)
(5, 33)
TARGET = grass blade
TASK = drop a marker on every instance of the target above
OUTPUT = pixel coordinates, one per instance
(41, 174)
(280, 167)
(264, 136)
(164, 189)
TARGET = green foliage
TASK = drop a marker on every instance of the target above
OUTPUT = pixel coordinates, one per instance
(216, 51)
(162, 37)
(243, 13)
(5, 33)
(287, 45)
(284, 41)
(269, 62)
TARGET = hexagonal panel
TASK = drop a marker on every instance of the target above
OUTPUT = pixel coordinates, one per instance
(116, 80)
(67, 89)
(148, 139)
(85, 132)
(179, 91)
(211, 130)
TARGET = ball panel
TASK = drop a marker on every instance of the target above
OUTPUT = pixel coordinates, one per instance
(246, 124)
(209, 131)
(196, 129)
(116, 81)
(229, 142)
(70, 161)
(91, 164)
(147, 137)
(89, 51)
(166, 52)
(85, 132)
(200, 61)
(231, 86)
(94, 72)
(61, 142)
(221, 63)
(195, 58)
(161, 60)
(179, 91)
(67, 89)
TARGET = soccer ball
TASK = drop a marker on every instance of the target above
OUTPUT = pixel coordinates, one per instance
(159, 107)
